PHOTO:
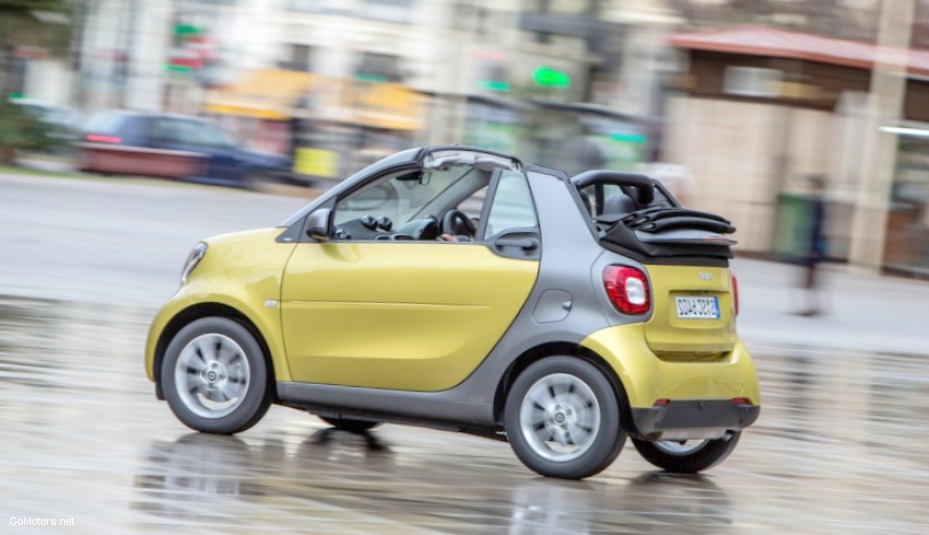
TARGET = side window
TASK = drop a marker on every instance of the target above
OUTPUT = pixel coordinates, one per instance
(415, 204)
(208, 135)
(512, 206)
(163, 130)
(135, 129)
(474, 204)
(196, 134)
(380, 199)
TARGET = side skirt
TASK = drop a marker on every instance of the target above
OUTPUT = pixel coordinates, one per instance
(436, 410)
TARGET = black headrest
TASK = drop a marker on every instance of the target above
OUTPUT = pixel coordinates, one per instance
(619, 203)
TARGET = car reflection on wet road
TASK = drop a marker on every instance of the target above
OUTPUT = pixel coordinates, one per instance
(841, 447)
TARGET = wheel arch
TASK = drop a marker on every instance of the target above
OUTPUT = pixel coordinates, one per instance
(551, 349)
(207, 310)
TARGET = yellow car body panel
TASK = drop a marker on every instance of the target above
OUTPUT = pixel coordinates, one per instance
(667, 333)
(242, 271)
(647, 378)
(358, 314)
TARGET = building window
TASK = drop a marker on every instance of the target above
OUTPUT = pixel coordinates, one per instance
(406, 4)
(299, 58)
(493, 76)
(317, 6)
(377, 67)
(752, 81)
(399, 11)
(468, 17)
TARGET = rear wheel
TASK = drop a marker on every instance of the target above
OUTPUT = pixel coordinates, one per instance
(689, 456)
(562, 418)
(347, 424)
(215, 377)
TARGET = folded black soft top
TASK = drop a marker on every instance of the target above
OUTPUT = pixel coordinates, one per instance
(658, 229)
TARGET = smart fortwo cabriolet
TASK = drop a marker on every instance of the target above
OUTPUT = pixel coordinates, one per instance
(456, 288)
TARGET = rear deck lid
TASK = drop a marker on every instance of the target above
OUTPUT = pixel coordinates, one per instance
(693, 310)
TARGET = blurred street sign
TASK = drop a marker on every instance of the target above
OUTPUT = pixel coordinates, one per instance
(549, 77)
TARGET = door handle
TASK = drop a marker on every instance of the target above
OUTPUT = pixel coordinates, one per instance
(525, 244)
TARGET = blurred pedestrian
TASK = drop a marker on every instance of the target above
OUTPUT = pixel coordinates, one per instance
(815, 243)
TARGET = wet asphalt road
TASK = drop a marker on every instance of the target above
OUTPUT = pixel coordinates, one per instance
(842, 445)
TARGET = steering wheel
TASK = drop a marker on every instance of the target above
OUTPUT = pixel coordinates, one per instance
(455, 221)
(426, 228)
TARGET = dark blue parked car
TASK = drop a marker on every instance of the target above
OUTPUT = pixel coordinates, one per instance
(173, 146)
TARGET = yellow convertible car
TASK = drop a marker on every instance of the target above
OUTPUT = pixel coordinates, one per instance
(456, 288)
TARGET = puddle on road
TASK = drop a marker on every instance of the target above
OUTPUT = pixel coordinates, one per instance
(863, 400)
(348, 482)
(841, 446)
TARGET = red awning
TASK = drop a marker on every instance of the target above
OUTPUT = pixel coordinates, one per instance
(776, 43)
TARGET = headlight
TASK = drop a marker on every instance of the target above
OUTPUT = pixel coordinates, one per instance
(193, 259)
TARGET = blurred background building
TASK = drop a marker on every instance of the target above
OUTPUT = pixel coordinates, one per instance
(749, 96)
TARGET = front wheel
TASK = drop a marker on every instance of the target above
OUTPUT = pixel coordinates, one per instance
(215, 377)
(562, 418)
(688, 456)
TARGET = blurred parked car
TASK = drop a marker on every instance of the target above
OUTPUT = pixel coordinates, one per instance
(173, 146)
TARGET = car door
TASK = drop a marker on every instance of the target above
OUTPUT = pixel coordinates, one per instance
(410, 315)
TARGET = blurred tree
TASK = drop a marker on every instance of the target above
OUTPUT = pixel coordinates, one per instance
(27, 24)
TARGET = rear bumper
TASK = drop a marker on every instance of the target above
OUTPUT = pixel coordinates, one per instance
(682, 415)
(700, 393)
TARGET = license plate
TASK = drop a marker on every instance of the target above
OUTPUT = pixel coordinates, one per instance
(697, 308)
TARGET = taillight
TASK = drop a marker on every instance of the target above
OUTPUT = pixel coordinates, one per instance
(97, 138)
(627, 288)
(735, 292)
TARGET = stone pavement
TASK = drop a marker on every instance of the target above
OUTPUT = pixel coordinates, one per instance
(862, 312)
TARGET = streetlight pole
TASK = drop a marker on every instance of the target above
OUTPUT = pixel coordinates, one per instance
(879, 158)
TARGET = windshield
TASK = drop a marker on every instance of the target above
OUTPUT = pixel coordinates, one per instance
(406, 195)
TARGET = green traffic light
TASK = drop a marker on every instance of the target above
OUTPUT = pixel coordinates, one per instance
(549, 77)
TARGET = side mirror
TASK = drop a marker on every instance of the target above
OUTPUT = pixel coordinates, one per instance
(318, 226)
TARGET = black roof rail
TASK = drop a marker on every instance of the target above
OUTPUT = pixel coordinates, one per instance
(645, 186)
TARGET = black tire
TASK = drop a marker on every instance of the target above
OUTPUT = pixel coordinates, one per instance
(347, 424)
(537, 454)
(709, 455)
(188, 406)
